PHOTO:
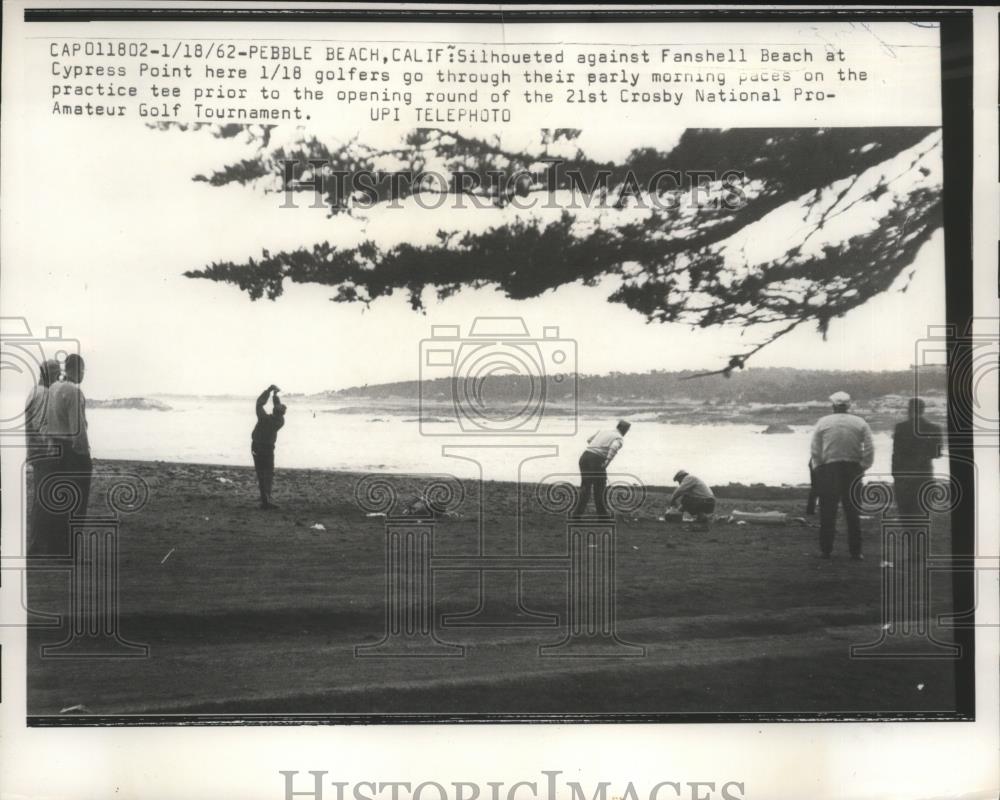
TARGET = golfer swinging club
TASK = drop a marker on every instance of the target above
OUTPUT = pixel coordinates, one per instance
(265, 434)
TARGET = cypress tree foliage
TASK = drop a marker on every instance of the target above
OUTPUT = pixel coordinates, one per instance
(859, 203)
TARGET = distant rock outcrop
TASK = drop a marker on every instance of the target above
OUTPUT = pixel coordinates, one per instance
(777, 427)
(137, 403)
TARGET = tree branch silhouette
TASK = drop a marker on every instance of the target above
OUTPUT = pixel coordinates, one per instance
(676, 261)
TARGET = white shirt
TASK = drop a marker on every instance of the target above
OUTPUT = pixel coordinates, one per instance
(66, 415)
(605, 444)
(842, 437)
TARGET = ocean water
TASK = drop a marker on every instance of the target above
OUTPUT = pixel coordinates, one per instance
(322, 436)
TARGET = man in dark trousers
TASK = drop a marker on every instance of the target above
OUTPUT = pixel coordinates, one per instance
(842, 449)
(66, 431)
(602, 447)
(915, 444)
(265, 434)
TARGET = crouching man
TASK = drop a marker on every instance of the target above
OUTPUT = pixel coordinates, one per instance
(693, 496)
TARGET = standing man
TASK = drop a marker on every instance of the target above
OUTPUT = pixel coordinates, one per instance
(842, 449)
(66, 430)
(262, 440)
(602, 447)
(915, 444)
(693, 496)
(40, 455)
(35, 407)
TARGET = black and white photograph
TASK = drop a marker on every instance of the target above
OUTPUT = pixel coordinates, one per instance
(361, 372)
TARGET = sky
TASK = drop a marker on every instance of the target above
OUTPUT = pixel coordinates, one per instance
(123, 220)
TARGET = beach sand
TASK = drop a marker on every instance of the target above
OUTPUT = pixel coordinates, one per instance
(259, 612)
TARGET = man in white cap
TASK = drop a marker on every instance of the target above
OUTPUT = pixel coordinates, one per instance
(842, 450)
(601, 448)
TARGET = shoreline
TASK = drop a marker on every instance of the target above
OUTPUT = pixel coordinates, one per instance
(741, 491)
(882, 414)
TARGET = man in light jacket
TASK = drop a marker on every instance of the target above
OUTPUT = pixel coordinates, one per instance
(842, 449)
(693, 496)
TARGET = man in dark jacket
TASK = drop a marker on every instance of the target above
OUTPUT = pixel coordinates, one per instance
(265, 434)
(915, 444)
